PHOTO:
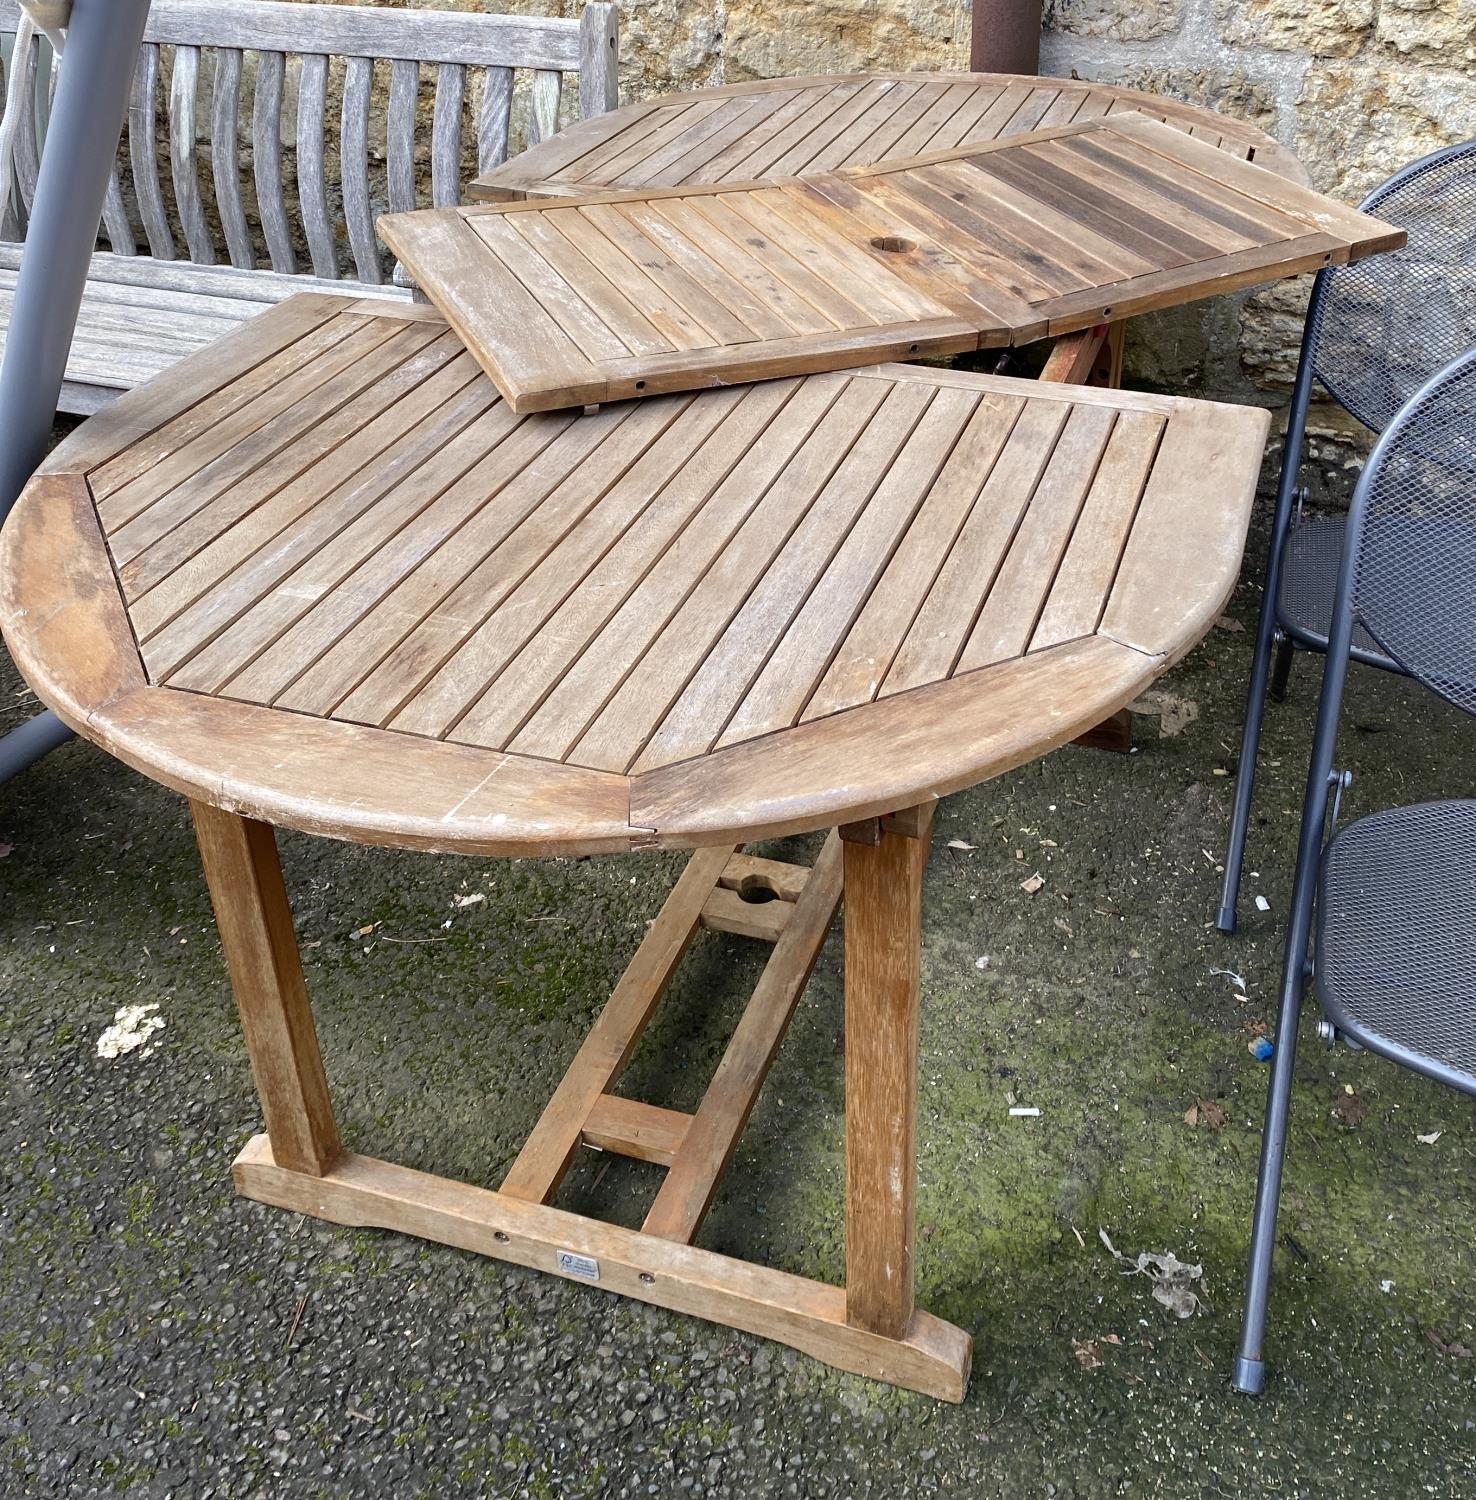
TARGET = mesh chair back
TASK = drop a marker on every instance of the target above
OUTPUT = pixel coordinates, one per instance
(1387, 323)
(1415, 586)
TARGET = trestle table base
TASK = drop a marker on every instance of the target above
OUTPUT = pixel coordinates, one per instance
(870, 1327)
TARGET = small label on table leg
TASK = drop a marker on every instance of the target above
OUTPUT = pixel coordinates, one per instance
(585, 1267)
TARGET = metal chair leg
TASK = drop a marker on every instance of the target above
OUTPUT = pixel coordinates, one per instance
(28, 742)
(1266, 627)
(1281, 673)
(1245, 775)
(1250, 1373)
(1250, 1368)
(81, 141)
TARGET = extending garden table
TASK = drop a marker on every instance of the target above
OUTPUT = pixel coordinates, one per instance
(325, 576)
(321, 576)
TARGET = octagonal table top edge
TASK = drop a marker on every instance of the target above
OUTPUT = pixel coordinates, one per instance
(64, 620)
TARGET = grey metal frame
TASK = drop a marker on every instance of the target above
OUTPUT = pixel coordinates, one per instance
(1276, 635)
(1322, 782)
(82, 140)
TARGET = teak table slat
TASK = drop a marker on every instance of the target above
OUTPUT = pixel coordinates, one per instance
(383, 607)
(969, 247)
(802, 126)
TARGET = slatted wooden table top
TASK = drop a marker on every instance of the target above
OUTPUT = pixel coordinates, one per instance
(971, 247)
(323, 575)
(793, 126)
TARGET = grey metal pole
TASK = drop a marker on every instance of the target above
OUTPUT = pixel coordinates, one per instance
(103, 39)
(1005, 36)
(29, 742)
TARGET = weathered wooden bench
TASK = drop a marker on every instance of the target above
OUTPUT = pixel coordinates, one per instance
(237, 187)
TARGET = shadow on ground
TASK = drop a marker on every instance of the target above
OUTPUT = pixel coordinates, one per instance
(160, 1337)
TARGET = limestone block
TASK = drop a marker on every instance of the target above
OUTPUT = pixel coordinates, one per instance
(1337, 448)
(777, 38)
(1271, 332)
(1434, 31)
(667, 45)
(1357, 123)
(1120, 20)
(1325, 28)
(1192, 350)
(1230, 91)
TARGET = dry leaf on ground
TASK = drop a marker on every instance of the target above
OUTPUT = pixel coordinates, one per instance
(1174, 714)
(1351, 1109)
(1455, 1350)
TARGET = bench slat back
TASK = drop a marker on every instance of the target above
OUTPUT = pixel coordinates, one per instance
(344, 106)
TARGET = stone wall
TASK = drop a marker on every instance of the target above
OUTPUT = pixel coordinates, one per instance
(1355, 87)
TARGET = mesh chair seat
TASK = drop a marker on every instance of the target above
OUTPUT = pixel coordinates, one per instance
(1309, 579)
(1396, 937)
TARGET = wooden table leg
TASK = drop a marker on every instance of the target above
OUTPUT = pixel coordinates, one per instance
(870, 1327)
(255, 921)
(883, 917)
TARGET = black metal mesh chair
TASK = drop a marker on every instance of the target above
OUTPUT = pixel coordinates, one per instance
(1375, 332)
(1391, 898)
(1396, 937)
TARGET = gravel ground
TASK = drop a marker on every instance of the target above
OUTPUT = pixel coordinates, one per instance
(161, 1337)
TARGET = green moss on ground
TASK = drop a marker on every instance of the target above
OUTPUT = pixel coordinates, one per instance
(163, 1337)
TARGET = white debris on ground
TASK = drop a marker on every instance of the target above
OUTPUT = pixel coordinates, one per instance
(132, 1027)
(1172, 1278)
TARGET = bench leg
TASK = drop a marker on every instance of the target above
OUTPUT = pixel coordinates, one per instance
(255, 921)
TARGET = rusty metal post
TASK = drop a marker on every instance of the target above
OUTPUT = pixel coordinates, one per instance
(1005, 36)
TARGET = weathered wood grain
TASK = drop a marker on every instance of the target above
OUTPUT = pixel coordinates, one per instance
(819, 124)
(972, 246)
(883, 926)
(255, 923)
(932, 1356)
(679, 621)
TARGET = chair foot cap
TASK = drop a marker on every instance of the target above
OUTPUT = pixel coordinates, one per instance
(1250, 1376)
(1225, 919)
